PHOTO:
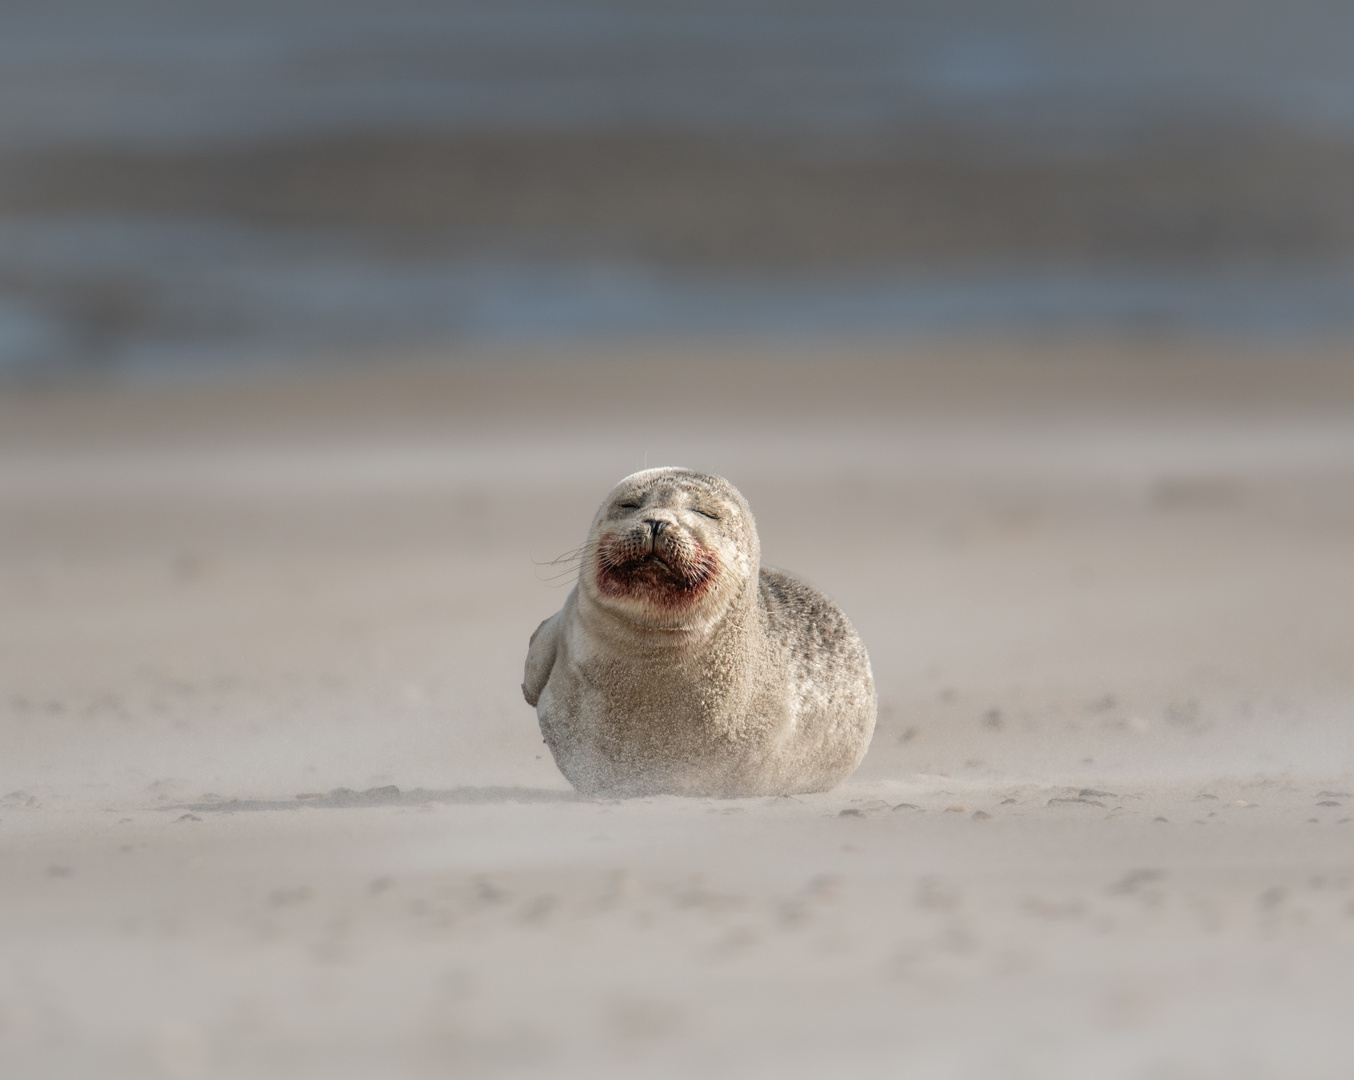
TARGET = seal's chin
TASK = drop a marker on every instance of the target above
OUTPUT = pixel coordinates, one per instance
(671, 578)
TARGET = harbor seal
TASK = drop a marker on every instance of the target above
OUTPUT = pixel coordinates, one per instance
(680, 665)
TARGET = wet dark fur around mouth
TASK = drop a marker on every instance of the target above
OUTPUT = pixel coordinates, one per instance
(680, 665)
(675, 572)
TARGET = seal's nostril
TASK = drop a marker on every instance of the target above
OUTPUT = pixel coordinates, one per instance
(655, 526)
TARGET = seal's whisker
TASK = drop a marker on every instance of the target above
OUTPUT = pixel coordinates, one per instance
(572, 555)
(563, 577)
(565, 566)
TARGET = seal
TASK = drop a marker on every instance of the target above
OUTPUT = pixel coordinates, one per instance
(680, 665)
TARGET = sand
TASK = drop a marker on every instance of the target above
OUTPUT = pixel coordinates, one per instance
(273, 805)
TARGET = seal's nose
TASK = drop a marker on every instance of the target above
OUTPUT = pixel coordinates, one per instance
(656, 526)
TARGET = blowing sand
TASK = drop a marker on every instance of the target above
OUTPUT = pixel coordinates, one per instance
(273, 805)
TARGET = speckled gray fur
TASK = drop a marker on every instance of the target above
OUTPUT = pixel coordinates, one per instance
(736, 681)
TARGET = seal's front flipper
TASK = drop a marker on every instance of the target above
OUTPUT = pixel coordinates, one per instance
(540, 658)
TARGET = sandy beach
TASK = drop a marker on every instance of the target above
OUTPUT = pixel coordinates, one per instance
(273, 805)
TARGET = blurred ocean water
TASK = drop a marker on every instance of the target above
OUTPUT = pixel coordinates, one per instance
(192, 183)
(231, 296)
(86, 70)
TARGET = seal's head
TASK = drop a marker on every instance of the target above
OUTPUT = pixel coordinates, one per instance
(671, 549)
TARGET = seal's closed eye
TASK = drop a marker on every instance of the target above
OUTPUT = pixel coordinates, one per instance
(707, 513)
(628, 506)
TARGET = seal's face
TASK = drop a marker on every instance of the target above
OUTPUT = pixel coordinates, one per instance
(670, 547)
